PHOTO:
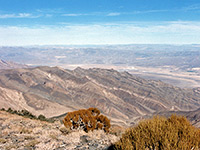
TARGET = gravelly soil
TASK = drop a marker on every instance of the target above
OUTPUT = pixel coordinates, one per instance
(19, 133)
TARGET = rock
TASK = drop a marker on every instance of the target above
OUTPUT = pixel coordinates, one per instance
(84, 138)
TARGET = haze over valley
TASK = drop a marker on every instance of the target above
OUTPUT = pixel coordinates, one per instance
(178, 65)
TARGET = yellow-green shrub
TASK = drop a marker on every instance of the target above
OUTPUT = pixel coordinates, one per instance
(159, 133)
(86, 119)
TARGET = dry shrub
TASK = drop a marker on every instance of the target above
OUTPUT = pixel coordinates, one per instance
(160, 133)
(29, 137)
(64, 130)
(10, 147)
(2, 141)
(25, 130)
(53, 136)
(87, 119)
(117, 130)
(32, 143)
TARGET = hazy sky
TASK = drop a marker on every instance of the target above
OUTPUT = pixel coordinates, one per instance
(50, 22)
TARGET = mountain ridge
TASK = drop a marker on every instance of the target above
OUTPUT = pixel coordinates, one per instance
(53, 91)
(10, 65)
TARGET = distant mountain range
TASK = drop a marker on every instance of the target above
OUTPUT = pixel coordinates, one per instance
(184, 57)
(174, 64)
(124, 98)
(10, 65)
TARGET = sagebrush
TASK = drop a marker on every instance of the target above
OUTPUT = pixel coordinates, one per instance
(160, 133)
(86, 119)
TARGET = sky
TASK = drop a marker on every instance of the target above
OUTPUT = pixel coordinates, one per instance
(96, 22)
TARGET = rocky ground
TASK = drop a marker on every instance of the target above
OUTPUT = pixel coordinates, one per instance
(19, 133)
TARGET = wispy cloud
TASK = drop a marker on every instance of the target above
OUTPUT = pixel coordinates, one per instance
(74, 15)
(51, 11)
(48, 15)
(127, 33)
(149, 11)
(193, 7)
(113, 14)
(92, 14)
(20, 15)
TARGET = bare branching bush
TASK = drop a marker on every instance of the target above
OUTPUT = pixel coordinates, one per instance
(86, 119)
(161, 133)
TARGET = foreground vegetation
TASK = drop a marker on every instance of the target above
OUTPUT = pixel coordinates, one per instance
(86, 119)
(159, 133)
(21, 133)
(27, 114)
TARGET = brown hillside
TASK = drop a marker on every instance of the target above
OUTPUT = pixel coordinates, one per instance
(121, 96)
(10, 65)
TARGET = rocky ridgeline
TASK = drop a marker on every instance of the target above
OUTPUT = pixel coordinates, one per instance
(120, 96)
(10, 65)
(17, 132)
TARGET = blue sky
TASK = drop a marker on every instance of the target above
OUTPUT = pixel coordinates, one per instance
(65, 22)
